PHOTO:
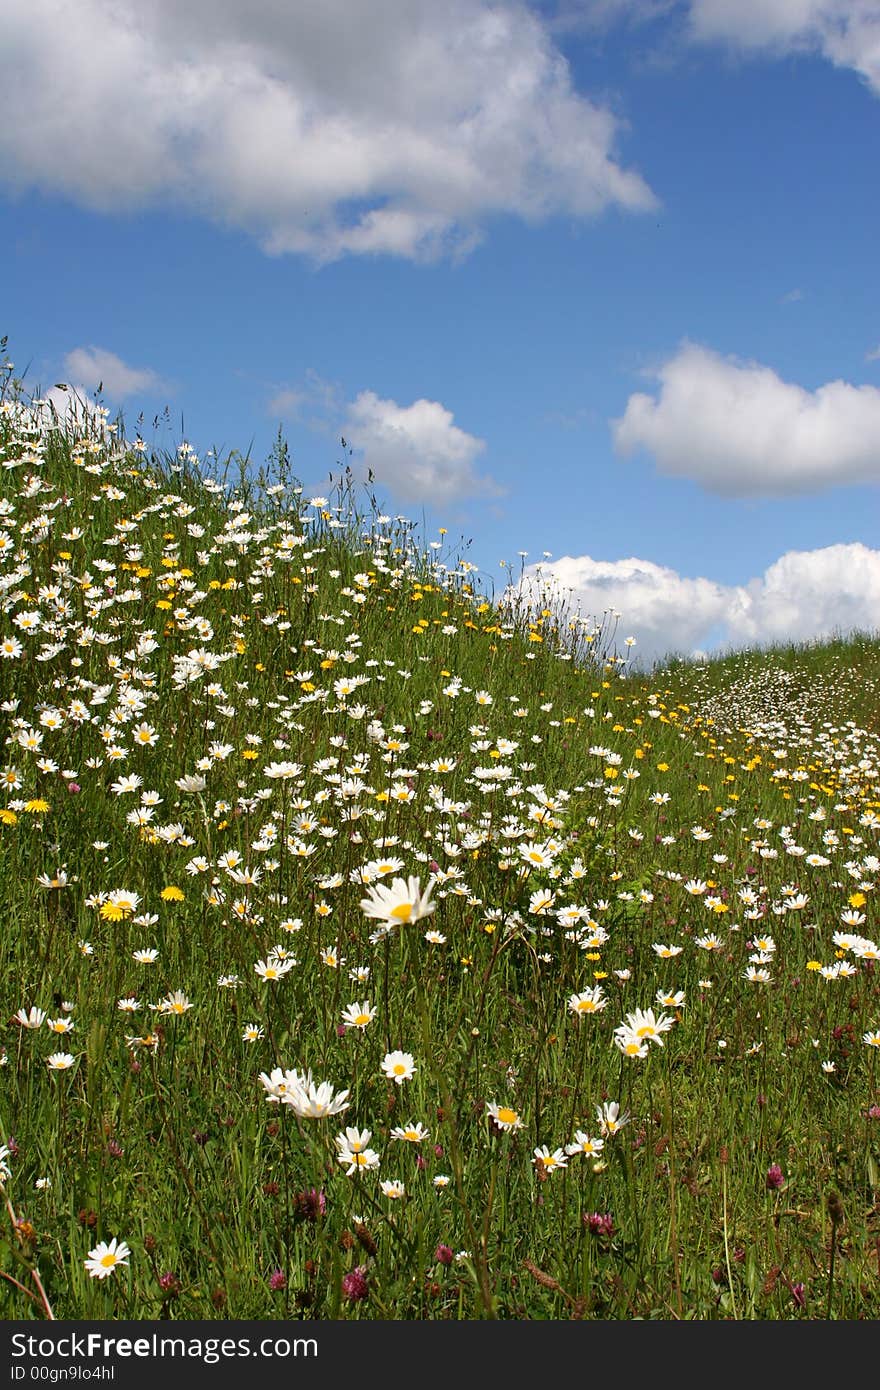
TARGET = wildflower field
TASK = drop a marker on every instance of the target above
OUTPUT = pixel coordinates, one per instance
(377, 948)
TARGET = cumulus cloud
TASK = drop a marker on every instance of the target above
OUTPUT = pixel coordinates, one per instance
(803, 596)
(416, 451)
(846, 32)
(316, 401)
(399, 127)
(573, 16)
(661, 609)
(72, 406)
(89, 367)
(810, 593)
(738, 429)
(73, 401)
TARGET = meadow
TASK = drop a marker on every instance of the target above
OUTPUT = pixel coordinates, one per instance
(374, 946)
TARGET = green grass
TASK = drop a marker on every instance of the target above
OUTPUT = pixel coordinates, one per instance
(233, 713)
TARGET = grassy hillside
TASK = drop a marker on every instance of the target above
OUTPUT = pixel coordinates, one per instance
(371, 949)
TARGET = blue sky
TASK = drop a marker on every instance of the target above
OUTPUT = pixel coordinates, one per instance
(597, 282)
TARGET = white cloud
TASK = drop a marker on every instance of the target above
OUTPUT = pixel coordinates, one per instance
(398, 127)
(72, 406)
(802, 596)
(846, 32)
(810, 593)
(89, 367)
(738, 429)
(74, 401)
(416, 451)
(661, 609)
(316, 401)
